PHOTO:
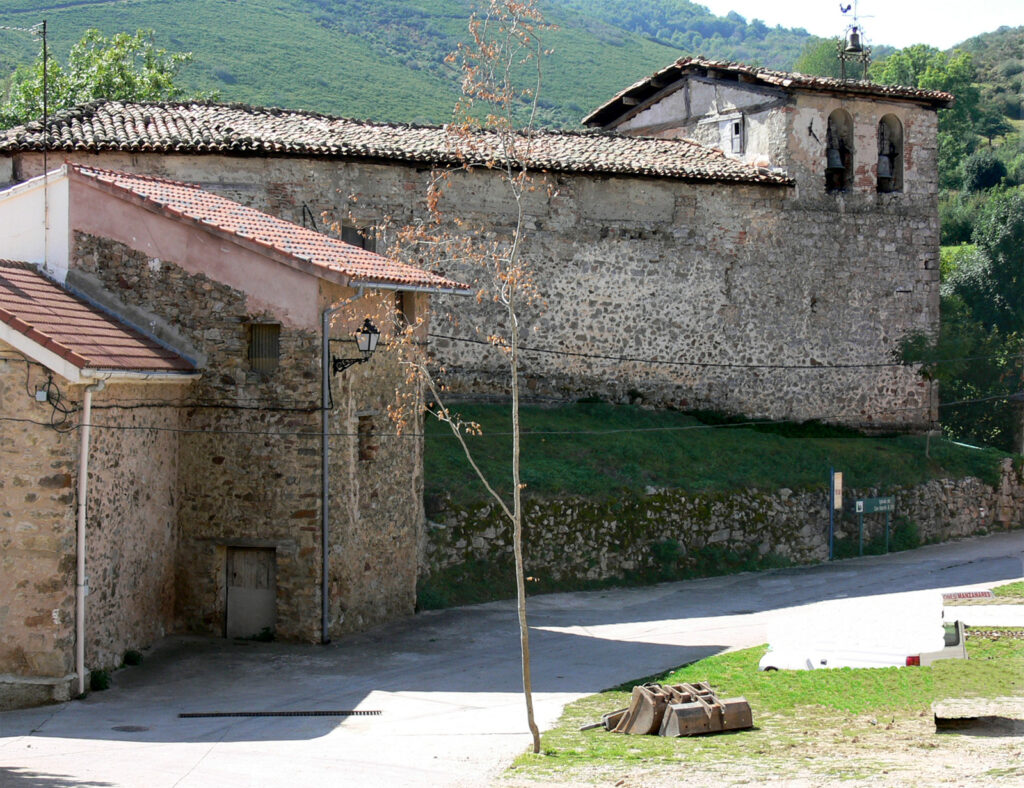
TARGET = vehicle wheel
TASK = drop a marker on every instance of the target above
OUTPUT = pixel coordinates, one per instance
(770, 668)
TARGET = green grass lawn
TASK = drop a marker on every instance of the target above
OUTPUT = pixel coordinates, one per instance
(600, 450)
(1015, 590)
(797, 715)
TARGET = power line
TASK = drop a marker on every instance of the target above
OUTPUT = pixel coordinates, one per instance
(524, 433)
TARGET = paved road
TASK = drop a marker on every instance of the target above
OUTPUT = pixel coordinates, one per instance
(446, 683)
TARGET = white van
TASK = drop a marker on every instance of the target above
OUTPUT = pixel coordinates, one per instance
(811, 658)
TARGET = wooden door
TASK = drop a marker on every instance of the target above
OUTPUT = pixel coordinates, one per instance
(251, 592)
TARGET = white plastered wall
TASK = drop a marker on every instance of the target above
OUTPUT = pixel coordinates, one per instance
(34, 224)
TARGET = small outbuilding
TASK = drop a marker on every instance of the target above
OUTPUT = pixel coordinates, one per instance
(168, 420)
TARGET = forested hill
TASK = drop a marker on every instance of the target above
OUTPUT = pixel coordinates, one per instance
(384, 59)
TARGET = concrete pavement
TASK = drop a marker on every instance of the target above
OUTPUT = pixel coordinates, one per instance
(447, 683)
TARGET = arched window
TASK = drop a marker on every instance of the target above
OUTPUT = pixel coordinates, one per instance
(839, 152)
(890, 154)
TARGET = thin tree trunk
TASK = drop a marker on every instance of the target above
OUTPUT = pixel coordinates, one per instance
(517, 527)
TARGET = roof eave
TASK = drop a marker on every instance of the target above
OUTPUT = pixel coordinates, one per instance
(405, 288)
(140, 375)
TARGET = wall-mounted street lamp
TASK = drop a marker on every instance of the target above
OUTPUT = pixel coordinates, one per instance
(366, 340)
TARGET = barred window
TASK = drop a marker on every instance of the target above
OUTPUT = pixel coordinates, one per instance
(364, 239)
(264, 346)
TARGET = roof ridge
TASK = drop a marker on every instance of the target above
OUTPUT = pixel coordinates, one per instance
(258, 109)
(204, 127)
(251, 225)
(645, 89)
(85, 169)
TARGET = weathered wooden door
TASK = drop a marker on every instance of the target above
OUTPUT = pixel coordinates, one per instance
(251, 592)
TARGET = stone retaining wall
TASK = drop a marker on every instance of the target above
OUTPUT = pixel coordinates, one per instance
(574, 539)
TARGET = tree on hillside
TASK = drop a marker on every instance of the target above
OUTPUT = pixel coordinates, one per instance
(505, 46)
(979, 353)
(923, 66)
(819, 58)
(126, 67)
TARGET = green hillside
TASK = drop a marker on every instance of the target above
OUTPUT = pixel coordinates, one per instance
(999, 58)
(384, 60)
(380, 60)
(694, 30)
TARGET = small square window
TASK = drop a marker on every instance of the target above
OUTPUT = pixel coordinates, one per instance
(264, 346)
(361, 238)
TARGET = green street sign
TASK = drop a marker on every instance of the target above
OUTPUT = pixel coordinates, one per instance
(872, 505)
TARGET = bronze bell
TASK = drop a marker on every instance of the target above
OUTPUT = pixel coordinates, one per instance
(853, 44)
(833, 159)
(884, 166)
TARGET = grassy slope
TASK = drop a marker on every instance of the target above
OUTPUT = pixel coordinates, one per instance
(628, 448)
(794, 712)
(380, 61)
(384, 60)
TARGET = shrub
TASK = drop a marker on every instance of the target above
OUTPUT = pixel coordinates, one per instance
(99, 680)
(957, 215)
(982, 170)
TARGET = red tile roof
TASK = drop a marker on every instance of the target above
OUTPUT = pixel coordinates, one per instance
(299, 243)
(649, 86)
(49, 315)
(239, 130)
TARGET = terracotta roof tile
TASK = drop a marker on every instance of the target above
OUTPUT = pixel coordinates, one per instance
(46, 313)
(649, 86)
(199, 127)
(299, 243)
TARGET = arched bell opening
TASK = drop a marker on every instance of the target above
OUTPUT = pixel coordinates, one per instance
(839, 152)
(890, 154)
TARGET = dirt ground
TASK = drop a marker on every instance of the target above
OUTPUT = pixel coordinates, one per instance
(852, 751)
(904, 753)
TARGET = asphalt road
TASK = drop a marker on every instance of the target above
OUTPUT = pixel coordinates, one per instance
(446, 684)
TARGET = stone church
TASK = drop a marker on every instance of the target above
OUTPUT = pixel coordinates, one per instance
(723, 237)
(726, 237)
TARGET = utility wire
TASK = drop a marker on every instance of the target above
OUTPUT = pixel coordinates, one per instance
(524, 433)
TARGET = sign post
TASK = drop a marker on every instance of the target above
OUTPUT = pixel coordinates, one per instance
(865, 506)
(835, 501)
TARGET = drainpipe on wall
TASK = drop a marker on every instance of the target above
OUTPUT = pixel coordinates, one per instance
(325, 520)
(81, 581)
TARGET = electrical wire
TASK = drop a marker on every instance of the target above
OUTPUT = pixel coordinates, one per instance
(524, 433)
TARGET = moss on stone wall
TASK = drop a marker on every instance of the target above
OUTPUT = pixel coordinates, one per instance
(575, 543)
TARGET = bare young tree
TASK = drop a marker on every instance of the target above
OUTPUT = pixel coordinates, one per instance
(492, 134)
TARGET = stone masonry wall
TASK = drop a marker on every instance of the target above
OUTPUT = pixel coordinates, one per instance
(130, 537)
(132, 524)
(579, 539)
(773, 302)
(249, 465)
(37, 536)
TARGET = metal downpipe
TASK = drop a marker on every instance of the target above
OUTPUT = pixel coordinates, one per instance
(81, 581)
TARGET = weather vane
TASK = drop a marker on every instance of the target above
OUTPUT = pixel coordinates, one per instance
(851, 48)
